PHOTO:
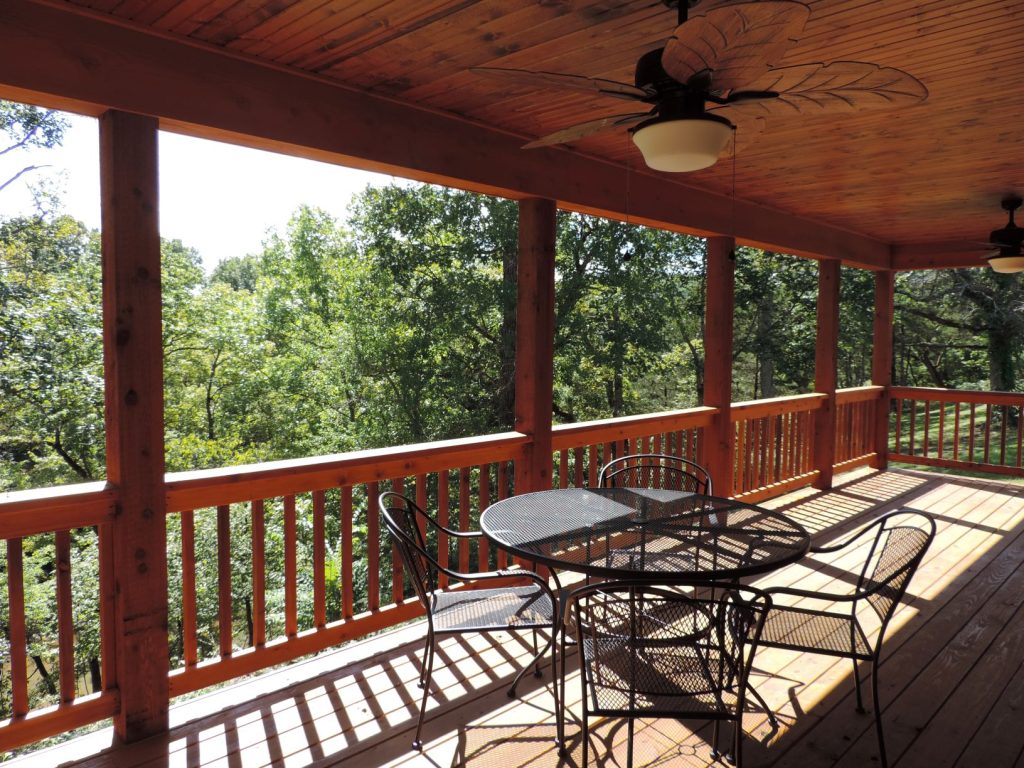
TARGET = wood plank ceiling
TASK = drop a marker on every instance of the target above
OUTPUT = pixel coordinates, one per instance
(931, 172)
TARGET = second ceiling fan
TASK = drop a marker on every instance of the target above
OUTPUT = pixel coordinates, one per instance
(717, 73)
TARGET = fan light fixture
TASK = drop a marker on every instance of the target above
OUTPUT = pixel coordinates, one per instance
(684, 144)
(1007, 264)
(1009, 240)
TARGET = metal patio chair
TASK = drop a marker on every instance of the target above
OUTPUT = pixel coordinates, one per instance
(656, 470)
(647, 651)
(900, 541)
(459, 611)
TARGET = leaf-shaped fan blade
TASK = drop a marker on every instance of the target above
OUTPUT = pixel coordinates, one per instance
(556, 80)
(738, 43)
(589, 128)
(843, 86)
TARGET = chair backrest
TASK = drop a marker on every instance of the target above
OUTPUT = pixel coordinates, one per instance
(899, 545)
(646, 646)
(656, 470)
(406, 522)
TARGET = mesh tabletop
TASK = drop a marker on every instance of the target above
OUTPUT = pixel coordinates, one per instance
(625, 533)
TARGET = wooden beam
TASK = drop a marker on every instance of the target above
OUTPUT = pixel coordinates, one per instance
(718, 327)
(881, 362)
(67, 56)
(825, 358)
(939, 255)
(133, 372)
(535, 341)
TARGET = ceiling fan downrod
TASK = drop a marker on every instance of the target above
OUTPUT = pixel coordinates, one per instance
(682, 7)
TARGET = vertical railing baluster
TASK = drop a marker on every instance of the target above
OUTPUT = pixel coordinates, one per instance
(319, 560)
(373, 546)
(16, 627)
(970, 431)
(1002, 435)
(291, 612)
(224, 628)
(942, 425)
(259, 572)
(927, 427)
(563, 468)
(347, 570)
(65, 617)
(108, 600)
(464, 518)
(956, 431)
(443, 505)
(483, 501)
(1020, 426)
(913, 427)
(397, 572)
(899, 423)
(988, 431)
(592, 466)
(577, 465)
(189, 627)
(502, 493)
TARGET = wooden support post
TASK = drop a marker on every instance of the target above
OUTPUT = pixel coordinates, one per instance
(535, 341)
(719, 443)
(133, 372)
(881, 362)
(825, 370)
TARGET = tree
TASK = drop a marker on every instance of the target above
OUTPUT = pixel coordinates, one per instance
(28, 126)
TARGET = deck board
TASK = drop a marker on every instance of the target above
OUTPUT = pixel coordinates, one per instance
(952, 685)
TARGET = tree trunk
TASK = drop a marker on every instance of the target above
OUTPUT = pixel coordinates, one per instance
(95, 677)
(1000, 360)
(44, 673)
(765, 348)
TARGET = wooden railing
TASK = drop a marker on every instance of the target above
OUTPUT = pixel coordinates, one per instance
(855, 426)
(32, 522)
(581, 449)
(774, 445)
(958, 429)
(455, 478)
(300, 544)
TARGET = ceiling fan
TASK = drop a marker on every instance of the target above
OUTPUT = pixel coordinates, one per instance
(716, 74)
(1008, 241)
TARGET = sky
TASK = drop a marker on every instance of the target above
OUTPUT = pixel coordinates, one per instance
(217, 198)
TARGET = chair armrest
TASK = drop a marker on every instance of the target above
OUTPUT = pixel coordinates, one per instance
(843, 544)
(504, 573)
(833, 596)
(457, 534)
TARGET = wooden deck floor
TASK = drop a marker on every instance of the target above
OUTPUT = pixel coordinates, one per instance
(952, 684)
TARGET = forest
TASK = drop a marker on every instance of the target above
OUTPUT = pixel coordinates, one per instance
(395, 326)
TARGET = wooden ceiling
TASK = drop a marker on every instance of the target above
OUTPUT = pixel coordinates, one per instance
(929, 173)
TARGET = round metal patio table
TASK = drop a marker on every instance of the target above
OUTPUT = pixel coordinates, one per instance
(666, 537)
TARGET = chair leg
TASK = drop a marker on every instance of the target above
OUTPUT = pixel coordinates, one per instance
(428, 666)
(715, 754)
(428, 653)
(536, 665)
(764, 705)
(856, 682)
(878, 713)
(535, 661)
(629, 741)
(737, 742)
(561, 682)
(586, 739)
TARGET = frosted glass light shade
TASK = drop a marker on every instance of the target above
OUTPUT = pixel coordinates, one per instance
(682, 145)
(1007, 264)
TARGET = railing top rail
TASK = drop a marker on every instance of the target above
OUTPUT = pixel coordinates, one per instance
(859, 394)
(606, 430)
(225, 485)
(773, 406)
(936, 394)
(41, 510)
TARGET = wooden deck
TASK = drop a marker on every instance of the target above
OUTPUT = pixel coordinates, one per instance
(952, 682)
